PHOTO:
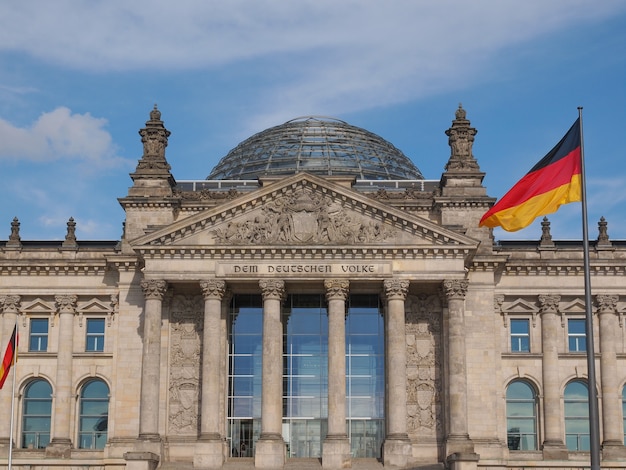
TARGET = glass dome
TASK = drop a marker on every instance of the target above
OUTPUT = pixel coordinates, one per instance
(318, 145)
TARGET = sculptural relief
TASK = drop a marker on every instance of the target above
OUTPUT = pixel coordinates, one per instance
(303, 217)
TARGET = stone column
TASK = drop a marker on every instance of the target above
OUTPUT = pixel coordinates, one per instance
(336, 449)
(612, 425)
(397, 447)
(270, 448)
(459, 447)
(210, 448)
(10, 307)
(153, 291)
(61, 442)
(553, 446)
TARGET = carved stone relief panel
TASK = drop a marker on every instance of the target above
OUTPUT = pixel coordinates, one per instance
(303, 217)
(184, 378)
(423, 315)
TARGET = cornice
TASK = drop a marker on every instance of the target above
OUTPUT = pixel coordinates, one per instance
(563, 268)
(302, 253)
(57, 268)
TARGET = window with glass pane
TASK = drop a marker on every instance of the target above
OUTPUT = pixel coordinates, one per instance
(95, 335)
(577, 416)
(305, 374)
(244, 373)
(520, 335)
(36, 415)
(94, 415)
(365, 375)
(576, 331)
(38, 338)
(521, 416)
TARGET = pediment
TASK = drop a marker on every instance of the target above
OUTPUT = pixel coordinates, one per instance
(521, 306)
(304, 210)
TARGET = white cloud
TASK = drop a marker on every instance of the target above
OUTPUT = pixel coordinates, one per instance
(58, 135)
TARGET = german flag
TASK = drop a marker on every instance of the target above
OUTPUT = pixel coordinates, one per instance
(555, 180)
(10, 356)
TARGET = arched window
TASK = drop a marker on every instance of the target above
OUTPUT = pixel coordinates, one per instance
(36, 415)
(577, 416)
(94, 415)
(521, 416)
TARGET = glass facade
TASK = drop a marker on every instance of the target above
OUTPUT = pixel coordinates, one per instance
(305, 374)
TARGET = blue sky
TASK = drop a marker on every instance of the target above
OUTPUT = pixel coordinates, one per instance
(78, 79)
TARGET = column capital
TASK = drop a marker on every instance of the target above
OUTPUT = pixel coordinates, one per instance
(337, 289)
(66, 303)
(10, 303)
(272, 289)
(213, 289)
(396, 289)
(549, 303)
(455, 289)
(607, 303)
(154, 288)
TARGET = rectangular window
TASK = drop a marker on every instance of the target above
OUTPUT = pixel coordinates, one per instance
(520, 336)
(38, 339)
(576, 335)
(95, 335)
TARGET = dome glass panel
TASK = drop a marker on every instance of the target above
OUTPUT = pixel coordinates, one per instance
(318, 145)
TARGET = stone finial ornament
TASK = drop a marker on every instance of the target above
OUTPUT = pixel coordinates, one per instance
(15, 240)
(603, 235)
(70, 237)
(546, 236)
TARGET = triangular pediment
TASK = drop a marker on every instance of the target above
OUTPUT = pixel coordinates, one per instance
(304, 210)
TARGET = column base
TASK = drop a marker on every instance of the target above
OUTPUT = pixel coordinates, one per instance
(555, 450)
(270, 453)
(397, 451)
(209, 453)
(463, 461)
(336, 452)
(59, 449)
(141, 460)
(613, 450)
(459, 444)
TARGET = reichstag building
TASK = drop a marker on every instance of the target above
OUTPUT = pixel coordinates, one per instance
(314, 301)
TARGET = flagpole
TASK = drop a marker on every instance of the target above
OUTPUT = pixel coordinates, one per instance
(12, 421)
(594, 421)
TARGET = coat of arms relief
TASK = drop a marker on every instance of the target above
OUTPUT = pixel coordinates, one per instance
(303, 217)
(184, 377)
(424, 365)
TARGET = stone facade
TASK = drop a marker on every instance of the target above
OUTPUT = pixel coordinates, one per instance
(148, 319)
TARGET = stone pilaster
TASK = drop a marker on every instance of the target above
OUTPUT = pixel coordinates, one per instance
(397, 446)
(612, 425)
(10, 308)
(210, 448)
(459, 447)
(336, 449)
(61, 442)
(553, 446)
(154, 291)
(270, 448)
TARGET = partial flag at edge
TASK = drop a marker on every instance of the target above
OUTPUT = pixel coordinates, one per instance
(553, 181)
(10, 356)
